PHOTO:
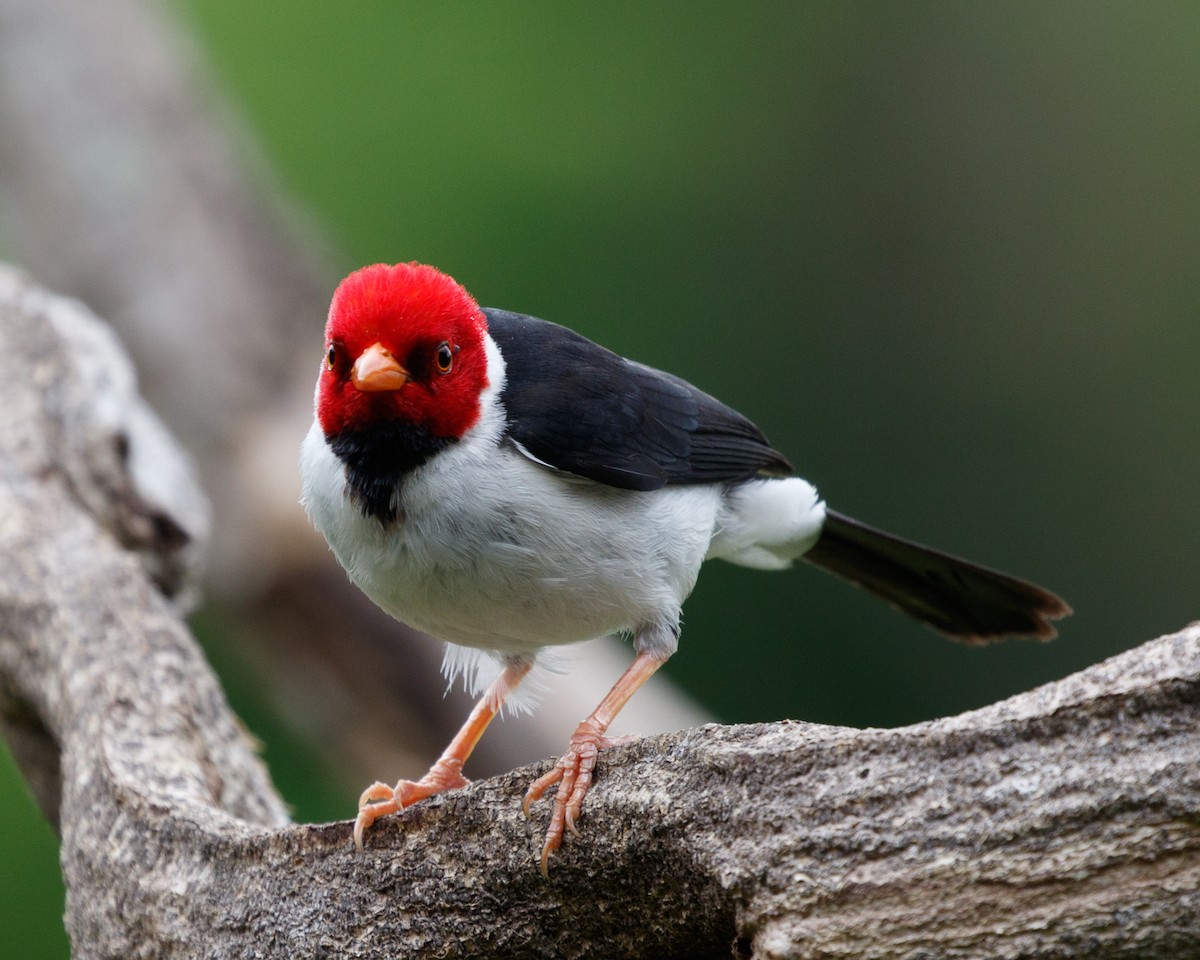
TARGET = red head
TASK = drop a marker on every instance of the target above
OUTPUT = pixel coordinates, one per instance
(402, 343)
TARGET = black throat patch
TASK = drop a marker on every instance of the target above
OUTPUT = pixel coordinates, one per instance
(378, 458)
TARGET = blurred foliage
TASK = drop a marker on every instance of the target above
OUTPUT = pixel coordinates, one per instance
(313, 792)
(31, 888)
(943, 253)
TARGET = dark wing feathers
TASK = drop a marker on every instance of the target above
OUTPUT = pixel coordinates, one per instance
(578, 407)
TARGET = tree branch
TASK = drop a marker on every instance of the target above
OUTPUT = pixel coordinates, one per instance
(1059, 823)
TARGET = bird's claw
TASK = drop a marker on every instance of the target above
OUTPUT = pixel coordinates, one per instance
(380, 800)
(573, 773)
(375, 793)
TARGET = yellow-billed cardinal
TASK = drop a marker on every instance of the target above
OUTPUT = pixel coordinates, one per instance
(506, 485)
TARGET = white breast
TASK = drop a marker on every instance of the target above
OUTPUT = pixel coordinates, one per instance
(493, 551)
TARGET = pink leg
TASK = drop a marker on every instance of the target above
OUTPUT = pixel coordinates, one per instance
(573, 772)
(379, 800)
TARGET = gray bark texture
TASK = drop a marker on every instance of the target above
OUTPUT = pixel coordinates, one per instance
(1064, 822)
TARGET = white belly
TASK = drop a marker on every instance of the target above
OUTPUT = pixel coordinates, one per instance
(494, 552)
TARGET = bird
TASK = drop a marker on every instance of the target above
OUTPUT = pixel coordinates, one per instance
(508, 486)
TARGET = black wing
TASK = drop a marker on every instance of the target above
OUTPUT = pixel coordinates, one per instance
(578, 407)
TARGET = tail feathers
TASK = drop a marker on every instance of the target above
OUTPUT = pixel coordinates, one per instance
(960, 599)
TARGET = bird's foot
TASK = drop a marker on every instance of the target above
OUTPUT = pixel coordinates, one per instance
(573, 774)
(379, 800)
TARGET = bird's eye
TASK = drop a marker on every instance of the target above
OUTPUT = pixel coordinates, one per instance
(331, 356)
(445, 357)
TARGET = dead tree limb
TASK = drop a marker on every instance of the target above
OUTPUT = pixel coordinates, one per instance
(1064, 822)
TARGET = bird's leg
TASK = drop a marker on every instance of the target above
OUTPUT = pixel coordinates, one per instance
(378, 800)
(573, 772)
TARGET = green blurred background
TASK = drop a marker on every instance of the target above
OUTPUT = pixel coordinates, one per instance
(944, 254)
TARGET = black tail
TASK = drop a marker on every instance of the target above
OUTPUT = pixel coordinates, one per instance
(960, 599)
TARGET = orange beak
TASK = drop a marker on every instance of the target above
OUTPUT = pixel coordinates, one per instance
(376, 369)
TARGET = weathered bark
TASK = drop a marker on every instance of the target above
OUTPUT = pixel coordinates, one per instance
(1064, 822)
